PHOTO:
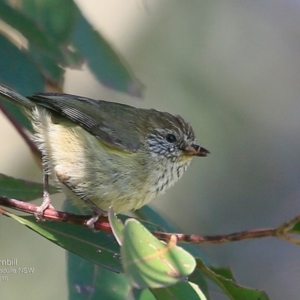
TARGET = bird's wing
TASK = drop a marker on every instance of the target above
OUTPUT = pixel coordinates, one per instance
(112, 123)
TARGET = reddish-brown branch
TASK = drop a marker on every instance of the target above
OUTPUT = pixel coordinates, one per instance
(55, 215)
(217, 239)
(21, 131)
(282, 231)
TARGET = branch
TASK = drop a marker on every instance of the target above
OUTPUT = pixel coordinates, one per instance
(283, 232)
(21, 131)
(54, 215)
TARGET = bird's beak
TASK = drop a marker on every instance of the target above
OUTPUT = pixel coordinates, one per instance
(196, 150)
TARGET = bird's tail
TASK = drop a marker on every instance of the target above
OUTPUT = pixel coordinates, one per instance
(11, 96)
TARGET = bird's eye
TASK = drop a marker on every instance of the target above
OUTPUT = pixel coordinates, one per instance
(171, 138)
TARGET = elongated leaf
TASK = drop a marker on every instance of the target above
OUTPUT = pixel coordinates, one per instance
(179, 291)
(98, 247)
(144, 294)
(21, 189)
(55, 17)
(30, 31)
(26, 79)
(197, 278)
(103, 60)
(224, 272)
(90, 281)
(47, 66)
(296, 228)
(229, 286)
(116, 225)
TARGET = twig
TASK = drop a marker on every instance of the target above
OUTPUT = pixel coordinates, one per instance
(282, 232)
(21, 131)
(55, 215)
(218, 239)
(286, 229)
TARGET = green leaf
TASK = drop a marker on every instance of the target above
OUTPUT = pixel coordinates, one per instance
(179, 291)
(90, 281)
(55, 17)
(148, 262)
(296, 228)
(224, 272)
(51, 27)
(103, 60)
(26, 79)
(116, 225)
(145, 294)
(21, 189)
(47, 66)
(17, 70)
(147, 213)
(228, 284)
(100, 247)
(30, 30)
(57, 26)
(197, 278)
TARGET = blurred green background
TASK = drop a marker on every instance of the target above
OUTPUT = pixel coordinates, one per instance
(232, 69)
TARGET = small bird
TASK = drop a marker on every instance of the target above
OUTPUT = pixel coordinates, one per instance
(106, 153)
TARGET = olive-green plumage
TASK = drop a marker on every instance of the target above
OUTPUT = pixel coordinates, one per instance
(107, 153)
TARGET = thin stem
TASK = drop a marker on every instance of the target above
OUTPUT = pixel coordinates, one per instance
(283, 231)
(21, 131)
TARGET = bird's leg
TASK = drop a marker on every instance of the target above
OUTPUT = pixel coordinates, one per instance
(97, 211)
(46, 199)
